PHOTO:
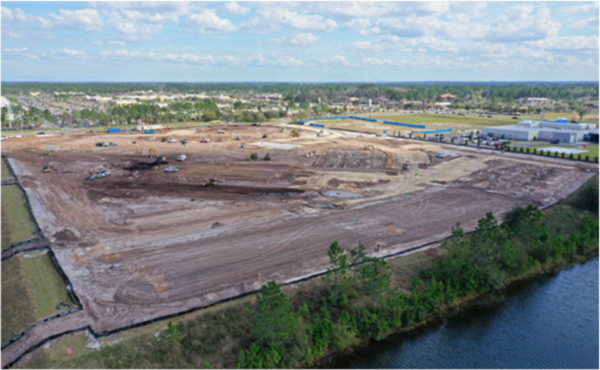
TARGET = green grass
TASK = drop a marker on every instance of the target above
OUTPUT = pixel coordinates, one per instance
(17, 224)
(6, 173)
(474, 120)
(31, 289)
(591, 150)
(44, 285)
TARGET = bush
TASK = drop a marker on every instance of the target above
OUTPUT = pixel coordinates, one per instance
(571, 156)
(587, 158)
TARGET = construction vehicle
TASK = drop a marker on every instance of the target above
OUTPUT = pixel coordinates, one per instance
(184, 141)
(181, 158)
(238, 138)
(164, 140)
(172, 140)
(220, 131)
(266, 157)
(171, 169)
(210, 182)
(46, 168)
(295, 133)
(369, 147)
(264, 136)
(405, 167)
(159, 159)
(283, 130)
(252, 156)
(205, 140)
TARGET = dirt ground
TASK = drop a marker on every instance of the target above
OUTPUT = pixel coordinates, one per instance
(141, 244)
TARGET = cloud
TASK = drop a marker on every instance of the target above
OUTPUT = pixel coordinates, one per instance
(14, 15)
(114, 42)
(279, 61)
(368, 46)
(69, 54)
(299, 39)
(160, 7)
(208, 21)
(87, 20)
(590, 7)
(335, 60)
(363, 26)
(272, 18)
(566, 43)
(235, 8)
(586, 23)
(520, 23)
(412, 26)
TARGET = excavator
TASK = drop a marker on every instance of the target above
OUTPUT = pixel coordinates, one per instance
(159, 159)
(295, 133)
(210, 182)
(252, 156)
(266, 157)
(46, 168)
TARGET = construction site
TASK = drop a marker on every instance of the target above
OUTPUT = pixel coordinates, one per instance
(150, 225)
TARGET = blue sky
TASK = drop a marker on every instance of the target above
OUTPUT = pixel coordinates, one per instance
(299, 41)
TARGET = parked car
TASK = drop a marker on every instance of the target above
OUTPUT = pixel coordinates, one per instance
(515, 117)
(555, 141)
(574, 121)
(489, 116)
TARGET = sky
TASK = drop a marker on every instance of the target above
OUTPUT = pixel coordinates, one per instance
(313, 41)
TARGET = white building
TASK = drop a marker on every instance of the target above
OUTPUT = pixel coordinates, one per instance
(541, 130)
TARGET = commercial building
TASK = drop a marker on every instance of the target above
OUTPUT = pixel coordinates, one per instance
(543, 130)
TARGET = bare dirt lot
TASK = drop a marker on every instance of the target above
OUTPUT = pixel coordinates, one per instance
(141, 244)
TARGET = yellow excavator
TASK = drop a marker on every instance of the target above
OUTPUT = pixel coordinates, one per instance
(210, 182)
(154, 153)
(295, 133)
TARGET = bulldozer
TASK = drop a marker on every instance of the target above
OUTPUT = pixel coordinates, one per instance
(210, 182)
(46, 168)
(252, 156)
(295, 133)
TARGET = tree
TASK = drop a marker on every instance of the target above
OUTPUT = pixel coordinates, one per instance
(582, 111)
(275, 322)
(356, 258)
(336, 275)
(174, 334)
(375, 278)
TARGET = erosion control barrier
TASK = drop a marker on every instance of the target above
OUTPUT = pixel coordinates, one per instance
(32, 240)
(5, 257)
(432, 131)
(364, 119)
(404, 124)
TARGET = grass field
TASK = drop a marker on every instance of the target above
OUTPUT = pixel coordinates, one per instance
(16, 222)
(31, 290)
(591, 150)
(470, 120)
(6, 174)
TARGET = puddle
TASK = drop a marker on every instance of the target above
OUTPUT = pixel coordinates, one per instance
(274, 145)
(339, 194)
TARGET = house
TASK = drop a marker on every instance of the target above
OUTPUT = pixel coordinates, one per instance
(448, 98)
(536, 102)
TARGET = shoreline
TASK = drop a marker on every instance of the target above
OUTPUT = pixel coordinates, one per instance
(460, 306)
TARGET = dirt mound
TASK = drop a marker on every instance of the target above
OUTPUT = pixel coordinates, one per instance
(374, 159)
(65, 235)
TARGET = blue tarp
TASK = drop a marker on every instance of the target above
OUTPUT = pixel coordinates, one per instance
(432, 131)
(300, 122)
(113, 130)
(404, 124)
(364, 119)
(316, 125)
